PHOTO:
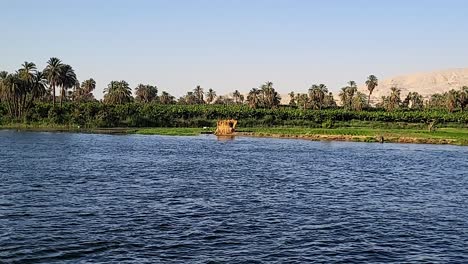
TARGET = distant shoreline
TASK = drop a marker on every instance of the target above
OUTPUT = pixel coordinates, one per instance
(444, 136)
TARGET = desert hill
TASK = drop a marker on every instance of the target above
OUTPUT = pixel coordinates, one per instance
(425, 84)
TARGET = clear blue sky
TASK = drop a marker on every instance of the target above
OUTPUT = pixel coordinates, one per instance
(228, 45)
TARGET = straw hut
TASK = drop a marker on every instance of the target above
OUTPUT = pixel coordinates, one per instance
(226, 127)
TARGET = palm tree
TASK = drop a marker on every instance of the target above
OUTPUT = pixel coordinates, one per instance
(269, 98)
(317, 95)
(344, 97)
(88, 86)
(210, 96)
(166, 98)
(198, 93)
(292, 100)
(347, 94)
(53, 72)
(11, 91)
(359, 101)
(253, 98)
(413, 100)
(394, 99)
(302, 101)
(463, 97)
(28, 70)
(371, 83)
(241, 98)
(352, 88)
(329, 100)
(452, 100)
(19, 90)
(84, 92)
(67, 80)
(38, 88)
(26, 85)
(437, 100)
(146, 93)
(236, 96)
(118, 93)
(190, 99)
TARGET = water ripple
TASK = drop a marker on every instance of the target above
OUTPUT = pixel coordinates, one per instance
(80, 198)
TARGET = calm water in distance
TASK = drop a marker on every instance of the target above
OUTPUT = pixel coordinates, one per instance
(84, 198)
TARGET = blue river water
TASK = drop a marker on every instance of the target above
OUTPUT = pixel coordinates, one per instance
(86, 198)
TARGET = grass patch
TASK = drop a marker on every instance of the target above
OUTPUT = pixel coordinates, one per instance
(457, 136)
(362, 132)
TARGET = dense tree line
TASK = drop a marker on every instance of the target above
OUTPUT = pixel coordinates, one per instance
(97, 114)
(30, 94)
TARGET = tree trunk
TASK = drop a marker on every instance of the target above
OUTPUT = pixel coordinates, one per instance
(53, 94)
(61, 97)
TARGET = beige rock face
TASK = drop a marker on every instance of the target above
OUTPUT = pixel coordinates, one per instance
(425, 84)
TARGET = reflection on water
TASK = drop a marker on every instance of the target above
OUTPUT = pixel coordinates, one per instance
(225, 138)
(82, 198)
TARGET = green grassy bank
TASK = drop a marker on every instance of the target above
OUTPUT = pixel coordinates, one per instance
(345, 131)
(453, 136)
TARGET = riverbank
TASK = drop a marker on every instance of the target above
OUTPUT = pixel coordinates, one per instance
(452, 135)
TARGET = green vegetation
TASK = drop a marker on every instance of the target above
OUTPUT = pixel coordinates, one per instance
(456, 136)
(28, 100)
(97, 114)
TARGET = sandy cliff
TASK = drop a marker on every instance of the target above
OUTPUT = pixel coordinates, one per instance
(424, 83)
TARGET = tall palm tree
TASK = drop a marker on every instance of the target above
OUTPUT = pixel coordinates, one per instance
(437, 100)
(67, 80)
(347, 94)
(118, 92)
(210, 96)
(26, 82)
(84, 92)
(344, 97)
(166, 98)
(198, 93)
(371, 83)
(413, 100)
(352, 88)
(463, 97)
(236, 96)
(88, 86)
(269, 98)
(452, 100)
(317, 95)
(302, 101)
(3, 74)
(38, 88)
(359, 101)
(190, 98)
(146, 93)
(253, 98)
(329, 100)
(394, 99)
(53, 72)
(20, 89)
(27, 71)
(292, 99)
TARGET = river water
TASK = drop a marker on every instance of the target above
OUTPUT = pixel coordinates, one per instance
(84, 198)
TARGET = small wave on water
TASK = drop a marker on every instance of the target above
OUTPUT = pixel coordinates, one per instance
(82, 198)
